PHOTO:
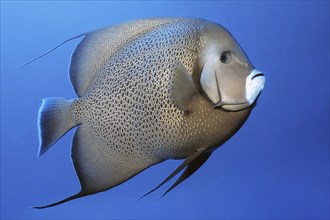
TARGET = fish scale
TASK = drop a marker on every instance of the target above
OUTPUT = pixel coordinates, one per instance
(166, 113)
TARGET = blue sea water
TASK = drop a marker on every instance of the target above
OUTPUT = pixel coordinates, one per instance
(275, 167)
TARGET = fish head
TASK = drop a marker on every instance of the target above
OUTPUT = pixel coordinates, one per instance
(228, 79)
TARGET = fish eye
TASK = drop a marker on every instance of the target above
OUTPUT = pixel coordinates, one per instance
(225, 57)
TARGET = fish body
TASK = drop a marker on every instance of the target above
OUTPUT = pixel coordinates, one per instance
(148, 91)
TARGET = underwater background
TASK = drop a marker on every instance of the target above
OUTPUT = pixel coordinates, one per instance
(275, 167)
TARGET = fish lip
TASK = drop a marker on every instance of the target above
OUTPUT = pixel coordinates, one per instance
(219, 104)
(257, 74)
(232, 107)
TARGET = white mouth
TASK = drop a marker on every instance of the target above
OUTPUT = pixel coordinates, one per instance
(255, 82)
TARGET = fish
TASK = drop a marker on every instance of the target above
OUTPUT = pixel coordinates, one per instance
(150, 90)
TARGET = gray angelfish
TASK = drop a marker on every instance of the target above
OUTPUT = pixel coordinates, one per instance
(150, 90)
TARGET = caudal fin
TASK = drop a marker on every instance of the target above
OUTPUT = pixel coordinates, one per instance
(54, 120)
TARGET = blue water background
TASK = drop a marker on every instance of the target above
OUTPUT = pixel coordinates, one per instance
(275, 167)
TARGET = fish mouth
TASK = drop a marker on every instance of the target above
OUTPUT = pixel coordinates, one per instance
(254, 85)
(257, 75)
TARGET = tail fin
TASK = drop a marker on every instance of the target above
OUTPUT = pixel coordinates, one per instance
(54, 120)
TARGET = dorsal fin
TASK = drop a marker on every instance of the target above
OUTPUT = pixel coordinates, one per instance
(51, 50)
(94, 51)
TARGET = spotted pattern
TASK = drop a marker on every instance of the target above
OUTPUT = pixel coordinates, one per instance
(129, 108)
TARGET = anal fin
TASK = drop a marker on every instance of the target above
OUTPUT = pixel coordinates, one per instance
(78, 195)
(96, 170)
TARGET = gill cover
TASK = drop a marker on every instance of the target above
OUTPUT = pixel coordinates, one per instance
(209, 82)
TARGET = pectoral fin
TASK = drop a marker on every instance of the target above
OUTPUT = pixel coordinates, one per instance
(192, 163)
(183, 87)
